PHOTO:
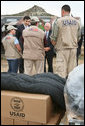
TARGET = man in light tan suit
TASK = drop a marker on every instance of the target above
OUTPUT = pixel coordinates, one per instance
(65, 36)
(33, 53)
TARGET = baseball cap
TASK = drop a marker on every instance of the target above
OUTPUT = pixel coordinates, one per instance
(34, 19)
(10, 27)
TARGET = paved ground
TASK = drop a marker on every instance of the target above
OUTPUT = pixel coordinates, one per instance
(4, 64)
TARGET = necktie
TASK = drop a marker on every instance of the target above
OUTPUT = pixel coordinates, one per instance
(46, 35)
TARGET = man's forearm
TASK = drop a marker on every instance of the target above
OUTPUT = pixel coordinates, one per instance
(18, 47)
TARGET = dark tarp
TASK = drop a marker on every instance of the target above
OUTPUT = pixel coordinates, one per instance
(45, 83)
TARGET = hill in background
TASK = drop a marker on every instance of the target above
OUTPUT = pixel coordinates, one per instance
(34, 11)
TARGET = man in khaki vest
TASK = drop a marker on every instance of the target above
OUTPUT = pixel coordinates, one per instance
(12, 49)
(33, 53)
(65, 36)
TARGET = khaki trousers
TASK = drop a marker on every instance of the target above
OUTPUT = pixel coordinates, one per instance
(65, 61)
(28, 66)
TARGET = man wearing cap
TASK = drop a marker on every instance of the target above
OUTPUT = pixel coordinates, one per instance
(24, 25)
(12, 49)
(33, 53)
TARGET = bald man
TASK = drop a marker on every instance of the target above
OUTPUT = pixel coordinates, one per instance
(49, 53)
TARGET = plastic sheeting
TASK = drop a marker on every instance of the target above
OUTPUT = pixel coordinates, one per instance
(45, 83)
(74, 93)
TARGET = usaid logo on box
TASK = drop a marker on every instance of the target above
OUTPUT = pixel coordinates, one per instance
(17, 105)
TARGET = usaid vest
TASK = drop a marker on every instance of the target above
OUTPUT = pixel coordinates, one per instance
(33, 43)
(11, 51)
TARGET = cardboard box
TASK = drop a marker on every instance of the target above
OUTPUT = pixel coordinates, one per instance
(19, 122)
(35, 123)
(55, 120)
(26, 107)
(6, 121)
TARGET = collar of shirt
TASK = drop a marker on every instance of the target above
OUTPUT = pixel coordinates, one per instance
(67, 15)
(10, 34)
(26, 26)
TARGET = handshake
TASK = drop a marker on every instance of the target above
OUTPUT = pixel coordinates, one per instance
(47, 49)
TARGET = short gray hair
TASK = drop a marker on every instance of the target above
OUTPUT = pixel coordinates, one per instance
(48, 24)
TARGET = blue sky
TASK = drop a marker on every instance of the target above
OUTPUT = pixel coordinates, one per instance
(53, 7)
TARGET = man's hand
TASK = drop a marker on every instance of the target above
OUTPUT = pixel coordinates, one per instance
(53, 43)
(47, 49)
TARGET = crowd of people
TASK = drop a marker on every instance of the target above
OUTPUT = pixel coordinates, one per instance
(31, 44)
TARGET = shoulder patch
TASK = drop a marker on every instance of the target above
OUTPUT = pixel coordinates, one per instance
(33, 29)
(8, 37)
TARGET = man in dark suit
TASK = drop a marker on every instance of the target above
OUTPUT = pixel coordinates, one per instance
(26, 24)
(49, 48)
